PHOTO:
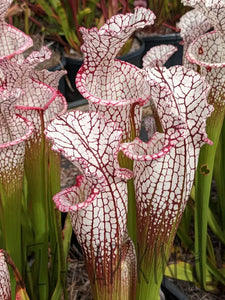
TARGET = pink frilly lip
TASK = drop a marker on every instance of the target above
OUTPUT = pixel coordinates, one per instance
(213, 10)
(37, 95)
(69, 201)
(207, 50)
(132, 89)
(114, 88)
(104, 79)
(158, 55)
(27, 133)
(15, 128)
(164, 168)
(98, 202)
(176, 93)
(193, 24)
(16, 40)
(12, 41)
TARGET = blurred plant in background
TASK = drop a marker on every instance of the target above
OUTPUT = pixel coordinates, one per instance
(167, 12)
(61, 20)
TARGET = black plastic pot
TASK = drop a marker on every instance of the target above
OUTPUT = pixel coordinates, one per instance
(72, 67)
(168, 39)
(74, 98)
(171, 291)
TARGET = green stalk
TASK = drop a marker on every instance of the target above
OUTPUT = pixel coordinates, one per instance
(131, 217)
(11, 221)
(151, 264)
(59, 256)
(152, 258)
(10, 213)
(215, 226)
(53, 188)
(189, 244)
(128, 163)
(185, 222)
(203, 187)
(36, 168)
(67, 232)
(27, 239)
(219, 174)
(148, 290)
(59, 239)
(62, 263)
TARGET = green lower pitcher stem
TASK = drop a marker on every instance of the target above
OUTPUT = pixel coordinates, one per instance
(148, 288)
(152, 259)
(203, 188)
(219, 174)
(36, 163)
(12, 230)
(131, 218)
(116, 290)
(11, 227)
(11, 187)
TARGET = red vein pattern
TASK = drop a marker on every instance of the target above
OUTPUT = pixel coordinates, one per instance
(48, 77)
(14, 130)
(5, 287)
(98, 203)
(192, 25)
(164, 167)
(12, 41)
(37, 96)
(214, 11)
(207, 51)
(114, 88)
(158, 56)
(39, 103)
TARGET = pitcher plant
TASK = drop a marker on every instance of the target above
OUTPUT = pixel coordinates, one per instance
(163, 169)
(126, 206)
(206, 55)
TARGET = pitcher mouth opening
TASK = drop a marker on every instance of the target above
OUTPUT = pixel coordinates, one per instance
(200, 51)
(116, 96)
